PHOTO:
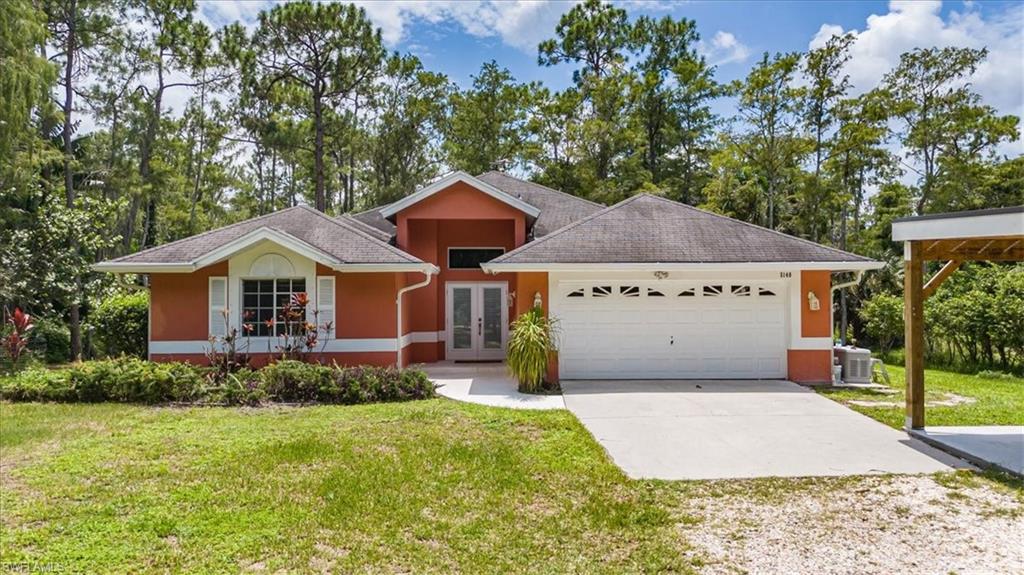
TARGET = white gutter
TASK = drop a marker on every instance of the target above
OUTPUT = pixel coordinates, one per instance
(428, 275)
(493, 268)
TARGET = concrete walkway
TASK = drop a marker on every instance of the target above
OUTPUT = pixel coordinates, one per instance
(740, 429)
(1000, 446)
(487, 384)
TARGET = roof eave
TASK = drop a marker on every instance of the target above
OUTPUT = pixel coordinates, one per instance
(497, 267)
(143, 267)
(423, 267)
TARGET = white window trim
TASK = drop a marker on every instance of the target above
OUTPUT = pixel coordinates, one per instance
(320, 307)
(448, 260)
(210, 308)
(241, 301)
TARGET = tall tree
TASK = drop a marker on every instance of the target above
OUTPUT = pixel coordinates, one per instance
(695, 89)
(663, 46)
(941, 115)
(76, 26)
(827, 84)
(312, 56)
(596, 36)
(768, 106)
(406, 133)
(488, 124)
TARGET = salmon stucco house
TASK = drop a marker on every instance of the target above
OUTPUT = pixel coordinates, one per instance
(647, 288)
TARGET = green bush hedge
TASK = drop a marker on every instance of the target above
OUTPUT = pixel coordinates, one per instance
(120, 325)
(131, 380)
(50, 341)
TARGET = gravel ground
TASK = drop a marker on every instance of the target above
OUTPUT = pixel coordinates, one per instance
(950, 523)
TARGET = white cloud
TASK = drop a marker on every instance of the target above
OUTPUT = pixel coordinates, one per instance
(724, 48)
(520, 23)
(908, 25)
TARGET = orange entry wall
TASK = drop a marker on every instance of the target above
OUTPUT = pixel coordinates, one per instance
(527, 285)
(813, 365)
(816, 323)
(179, 304)
(458, 216)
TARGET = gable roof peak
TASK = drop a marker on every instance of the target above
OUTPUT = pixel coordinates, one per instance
(444, 182)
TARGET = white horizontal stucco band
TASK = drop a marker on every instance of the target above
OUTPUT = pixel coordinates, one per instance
(259, 344)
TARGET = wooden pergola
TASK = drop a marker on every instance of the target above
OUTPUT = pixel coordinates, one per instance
(995, 235)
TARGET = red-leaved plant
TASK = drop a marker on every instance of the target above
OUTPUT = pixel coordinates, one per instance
(16, 342)
(300, 337)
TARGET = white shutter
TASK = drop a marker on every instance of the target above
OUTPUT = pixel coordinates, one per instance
(218, 303)
(325, 302)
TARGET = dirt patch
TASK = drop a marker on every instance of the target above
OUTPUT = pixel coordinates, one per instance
(906, 524)
(948, 400)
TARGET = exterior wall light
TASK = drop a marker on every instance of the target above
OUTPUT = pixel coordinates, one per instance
(812, 301)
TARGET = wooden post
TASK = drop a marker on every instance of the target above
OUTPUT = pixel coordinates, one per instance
(913, 314)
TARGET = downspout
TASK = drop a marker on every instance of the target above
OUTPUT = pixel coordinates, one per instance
(428, 274)
(832, 312)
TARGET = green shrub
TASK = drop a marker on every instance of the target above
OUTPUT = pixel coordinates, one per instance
(132, 380)
(38, 384)
(292, 380)
(366, 384)
(530, 345)
(883, 319)
(240, 387)
(996, 375)
(50, 341)
(120, 325)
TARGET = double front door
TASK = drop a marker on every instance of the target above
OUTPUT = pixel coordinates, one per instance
(477, 320)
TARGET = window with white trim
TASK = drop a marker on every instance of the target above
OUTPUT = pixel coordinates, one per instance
(264, 302)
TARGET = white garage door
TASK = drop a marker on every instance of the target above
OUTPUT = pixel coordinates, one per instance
(672, 330)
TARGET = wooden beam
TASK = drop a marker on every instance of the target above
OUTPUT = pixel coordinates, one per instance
(913, 315)
(941, 276)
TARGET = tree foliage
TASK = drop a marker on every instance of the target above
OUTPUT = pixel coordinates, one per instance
(130, 123)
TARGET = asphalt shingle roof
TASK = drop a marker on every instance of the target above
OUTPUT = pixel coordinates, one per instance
(557, 209)
(650, 229)
(373, 218)
(338, 237)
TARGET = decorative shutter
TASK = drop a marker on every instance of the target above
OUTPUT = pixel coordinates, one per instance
(325, 302)
(218, 303)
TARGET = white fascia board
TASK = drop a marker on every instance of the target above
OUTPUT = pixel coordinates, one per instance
(426, 268)
(452, 178)
(143, 268)
(738, 266)
(963, 227)
(265, 234)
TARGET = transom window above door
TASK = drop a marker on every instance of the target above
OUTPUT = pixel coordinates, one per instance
(471, 258)
(263, 303)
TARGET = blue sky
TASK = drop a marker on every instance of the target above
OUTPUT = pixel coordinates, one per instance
(456, 36)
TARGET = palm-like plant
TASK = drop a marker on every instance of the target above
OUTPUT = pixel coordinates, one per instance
(533, 339)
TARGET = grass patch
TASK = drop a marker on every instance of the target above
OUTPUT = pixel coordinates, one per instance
(432, 486)
(997, 401)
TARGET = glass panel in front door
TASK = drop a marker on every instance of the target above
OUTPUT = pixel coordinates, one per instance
(462, 318)
(492, 302)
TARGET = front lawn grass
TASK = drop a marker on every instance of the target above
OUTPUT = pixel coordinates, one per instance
(430, 486)
(997, 401)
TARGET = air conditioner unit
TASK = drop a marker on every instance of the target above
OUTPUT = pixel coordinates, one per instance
(856, 363)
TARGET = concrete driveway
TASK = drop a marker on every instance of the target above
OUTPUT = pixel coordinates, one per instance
(739, 429)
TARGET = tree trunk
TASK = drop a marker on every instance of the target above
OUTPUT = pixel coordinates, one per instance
(197, 189)
(70, 49)
(318, 149)
(146, 155)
